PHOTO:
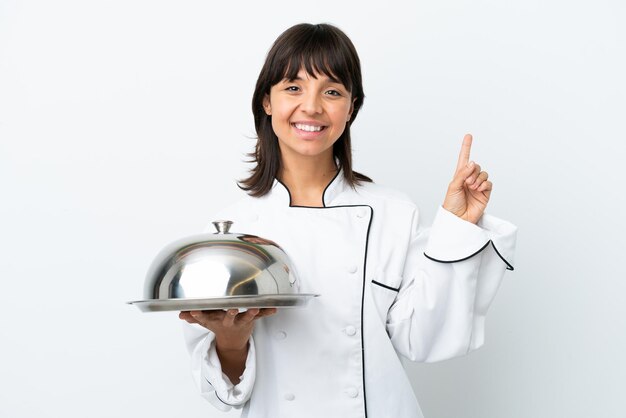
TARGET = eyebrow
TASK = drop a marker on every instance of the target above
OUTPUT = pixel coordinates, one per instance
(298, 78)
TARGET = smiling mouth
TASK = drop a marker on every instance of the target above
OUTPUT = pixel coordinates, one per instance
(308, 128)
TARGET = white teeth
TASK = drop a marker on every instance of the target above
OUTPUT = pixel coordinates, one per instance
(308, 128)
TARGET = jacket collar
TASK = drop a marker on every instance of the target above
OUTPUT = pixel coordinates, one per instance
(280, 193)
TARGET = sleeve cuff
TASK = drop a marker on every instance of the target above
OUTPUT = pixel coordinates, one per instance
(220, 391)
(452, 239)
(503, 235)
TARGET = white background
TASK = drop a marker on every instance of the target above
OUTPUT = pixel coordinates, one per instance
(123, 125)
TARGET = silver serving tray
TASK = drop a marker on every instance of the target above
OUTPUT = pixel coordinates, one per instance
(228, 302)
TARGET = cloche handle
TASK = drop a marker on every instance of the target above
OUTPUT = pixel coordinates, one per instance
(222, 226)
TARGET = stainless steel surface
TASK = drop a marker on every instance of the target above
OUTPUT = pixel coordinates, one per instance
(267, 301)
(221, 265)
(223, 227)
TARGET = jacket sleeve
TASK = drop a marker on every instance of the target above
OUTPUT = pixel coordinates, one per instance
(450, 277)
(214, 385)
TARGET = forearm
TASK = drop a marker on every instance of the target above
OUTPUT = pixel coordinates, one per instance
(233, 362)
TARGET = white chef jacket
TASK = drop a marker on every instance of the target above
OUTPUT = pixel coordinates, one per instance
(387, 288)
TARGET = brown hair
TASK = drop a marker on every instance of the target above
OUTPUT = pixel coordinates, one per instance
(319, 49)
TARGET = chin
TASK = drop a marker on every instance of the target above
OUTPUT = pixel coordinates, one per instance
(312, 152)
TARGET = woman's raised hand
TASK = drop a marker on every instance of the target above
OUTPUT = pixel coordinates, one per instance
(469, 190)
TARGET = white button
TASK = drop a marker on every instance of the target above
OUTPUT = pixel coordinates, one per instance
(352, 392)
(361, 213)
(289, 396)
(350, 330)
(353, 269)
(280, 335)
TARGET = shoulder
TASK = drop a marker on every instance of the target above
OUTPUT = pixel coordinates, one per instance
(394, 211)
(385, 195)
(389, 205)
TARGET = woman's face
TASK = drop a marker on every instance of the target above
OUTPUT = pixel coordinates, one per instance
(308, 114)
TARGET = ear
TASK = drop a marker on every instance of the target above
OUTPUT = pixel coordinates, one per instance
(351, 109)
(266, 105)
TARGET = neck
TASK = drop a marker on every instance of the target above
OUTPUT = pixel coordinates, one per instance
(307, 178)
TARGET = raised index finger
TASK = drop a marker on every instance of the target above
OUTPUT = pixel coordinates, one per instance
(465, 152)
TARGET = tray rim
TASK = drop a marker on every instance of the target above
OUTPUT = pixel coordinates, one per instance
(299, 300)
(272, 296)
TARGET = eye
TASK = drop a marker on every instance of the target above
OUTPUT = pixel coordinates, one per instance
(333, 93)
(293, 88)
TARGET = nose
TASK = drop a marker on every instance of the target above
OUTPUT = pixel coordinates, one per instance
(311, 103)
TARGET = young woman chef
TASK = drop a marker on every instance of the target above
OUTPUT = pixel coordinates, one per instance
(387, 287)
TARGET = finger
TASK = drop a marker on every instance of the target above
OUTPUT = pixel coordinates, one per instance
(229, 318)
(473, 175)
(464, 155)
(209, 315)
(205, 318)
(249, 315)
(266, 312)
(186, 316)
(486, 188)
(482, 177)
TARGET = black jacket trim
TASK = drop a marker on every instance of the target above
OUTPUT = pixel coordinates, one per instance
(367, 236)
(323, 194)
(508, 265)
(288, 192)
(385, 286)
(367, 239)
(327, 186)
(332, 207)
(218, 396)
